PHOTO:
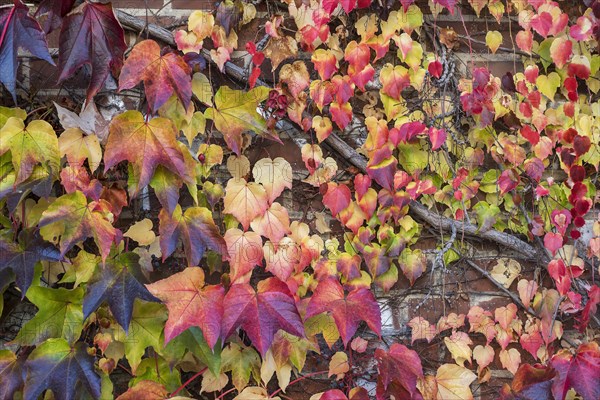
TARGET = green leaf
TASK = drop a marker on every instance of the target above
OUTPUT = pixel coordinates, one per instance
(59, 315)
(145, 329)
(157, 370)
(486, 215)
(57, 366)
(29, 146)
(6, 113)
(193, 340)
(81, 268)
(241, 361)
(235, 112)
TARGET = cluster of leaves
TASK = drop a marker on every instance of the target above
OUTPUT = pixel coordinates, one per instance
(517, 154)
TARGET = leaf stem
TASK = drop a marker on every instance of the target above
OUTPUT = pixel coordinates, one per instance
(303, 377)
(180, 388)
(225, 393)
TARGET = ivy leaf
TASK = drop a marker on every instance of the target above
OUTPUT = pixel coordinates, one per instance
(11, 374)
(274, 224)
(234, 112)
(163, 75)
(29, 146)
(117, 283)
(57, 366)
(19, 30)
(347, 311)
(81, 268)
(59, 315)
(145, 389)
(576, 372)
(22, 257)
(399, 369)
(193, 340)
(166, 187)
(261, 314)
(71, 218)
(91, 35)
(145, 330)
(79, 147)
(453, 382)
(275, 175)
(191, 303)
(337, 197)
(530, 383)
(245, 200)
(129, 133)
(55, 10)
(241, 361)
(196, 229)
(245, 252)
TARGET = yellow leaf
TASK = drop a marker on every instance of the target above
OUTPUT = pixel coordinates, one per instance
(254, 393)
(339, 365)
(506, 271)
(453, 382)
(548, 85)
(238, 166)
(245, 201)
(510, 359)
(141, 232)
(458, 345)
(275, 175)
(493, 39)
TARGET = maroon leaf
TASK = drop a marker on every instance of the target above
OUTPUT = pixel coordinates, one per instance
(91, 35)
(531, 382)
(579, 372)
(55, 10)
(19, 30)
(398, 370)
(261, 314)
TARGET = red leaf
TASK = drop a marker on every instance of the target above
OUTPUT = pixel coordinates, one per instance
(590, 308)
(530, 134)
(341, 114)
(435, 69)
(553, 241)
(437, 137)
(399, 369)
(190, 303)
(347, 311)
(530, 383)
(261, 314)
(578, 372)
(163, 75)
(91, 35)
(508, 180)
(581, 144)
(337, 197)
